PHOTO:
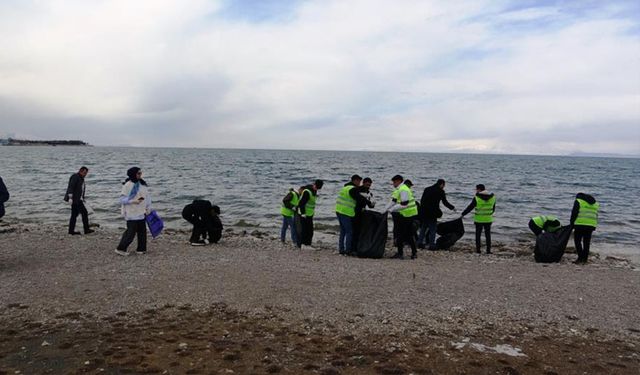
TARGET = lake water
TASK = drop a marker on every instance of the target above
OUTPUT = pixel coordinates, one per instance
(249, 184)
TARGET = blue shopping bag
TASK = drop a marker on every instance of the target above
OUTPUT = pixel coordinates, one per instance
(155, 224)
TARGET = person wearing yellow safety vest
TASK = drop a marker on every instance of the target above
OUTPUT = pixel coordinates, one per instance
(404, 203)
(346, 202)
(288, 211)
(547, 223)
(485, 206)
(307, 208)
(584, 218)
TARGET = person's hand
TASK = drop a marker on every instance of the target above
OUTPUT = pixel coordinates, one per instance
(303, 216)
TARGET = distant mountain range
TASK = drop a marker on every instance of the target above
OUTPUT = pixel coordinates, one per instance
(29, 142)
(602, 155)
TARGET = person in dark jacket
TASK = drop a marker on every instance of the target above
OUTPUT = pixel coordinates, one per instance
(584, 219)
(75, 196)
(430, 212)
(364, 201)
(204, 218)
(485, 206)
(4, 196)
(307, 209)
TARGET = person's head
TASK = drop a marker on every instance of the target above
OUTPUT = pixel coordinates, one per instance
(317, 184)
(408, 182)
(215, 210)
(356, 180)
(367, 182)
(396, 180)
(440, 183)
(479, 188)
(83, 171)
(134, 174)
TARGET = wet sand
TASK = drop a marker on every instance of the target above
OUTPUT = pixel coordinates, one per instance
(253, 305)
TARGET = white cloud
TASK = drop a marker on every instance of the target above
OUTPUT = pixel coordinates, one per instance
(414, 75)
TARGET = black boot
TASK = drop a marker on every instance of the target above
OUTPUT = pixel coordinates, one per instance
(398, 255)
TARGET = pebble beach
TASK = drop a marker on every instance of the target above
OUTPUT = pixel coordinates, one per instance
(250, 304)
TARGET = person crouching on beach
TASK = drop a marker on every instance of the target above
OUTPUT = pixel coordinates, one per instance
(198, 213)
(288, 211)
(485, 205)
(546, 223)
(135, 203)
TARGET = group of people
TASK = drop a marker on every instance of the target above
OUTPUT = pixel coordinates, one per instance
(415, 224)
(298, 210)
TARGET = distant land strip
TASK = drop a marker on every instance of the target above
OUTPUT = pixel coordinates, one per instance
(28, 142)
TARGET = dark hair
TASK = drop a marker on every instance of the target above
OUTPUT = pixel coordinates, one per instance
(408, 183)
(83, 168)
(440, 182)
(367, 179)
(318, 184)
(132, 175)
(355, 177)
(216, 209)
(397, 178)
(480, 187)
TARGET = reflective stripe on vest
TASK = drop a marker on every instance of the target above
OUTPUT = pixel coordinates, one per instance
(310, 207)
(588, 214)
(484, 210)
(345, 204)
(295, 199)
(411, 209)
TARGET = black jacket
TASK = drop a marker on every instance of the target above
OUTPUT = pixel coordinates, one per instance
(286, 201)
(576, 206)
(430, 202)
(76, 187)
(4, 196)
(482, 195)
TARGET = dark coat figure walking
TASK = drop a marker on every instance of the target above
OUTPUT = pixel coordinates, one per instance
(75, 196)
(4, 196)
(204, 218)
(584, 218)
(430, 212)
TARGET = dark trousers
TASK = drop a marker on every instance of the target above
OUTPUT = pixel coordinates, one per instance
(78, 209)
(134, 227)
(582, 240)
(406, 234)
(213, 229)
(429, 228)
(534, 228)
(307, 230)
(198, 230)
(487, 236)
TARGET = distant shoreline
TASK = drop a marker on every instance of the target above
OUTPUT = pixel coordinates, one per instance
(29, 142)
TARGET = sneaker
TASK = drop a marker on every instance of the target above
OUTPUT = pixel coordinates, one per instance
(197, 243)
(74, 233)
(140, 252)
(206, 241)
(89, 231)
(123, 253)
(308, 247)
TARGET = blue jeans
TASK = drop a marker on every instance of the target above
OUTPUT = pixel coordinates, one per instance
(288, 222)
(431, 227)
(346, 233)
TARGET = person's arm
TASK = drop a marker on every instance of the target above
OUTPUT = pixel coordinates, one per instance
(4, 193)
(404, 201)
(574, 212)
(70, 188)
(124, 196)
(287, 200)
(470, 207)
(361, 201)
(446, 202)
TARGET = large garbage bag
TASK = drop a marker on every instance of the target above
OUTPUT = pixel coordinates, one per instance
(450, 232)
(372, 234)
(550, 247)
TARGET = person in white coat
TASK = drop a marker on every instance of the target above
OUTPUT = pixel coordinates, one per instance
(135, 205)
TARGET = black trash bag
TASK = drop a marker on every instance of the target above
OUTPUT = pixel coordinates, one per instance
(450, 232)
(550, 247)
(372, 234)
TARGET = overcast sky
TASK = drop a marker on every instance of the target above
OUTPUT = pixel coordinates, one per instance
(541, 77)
